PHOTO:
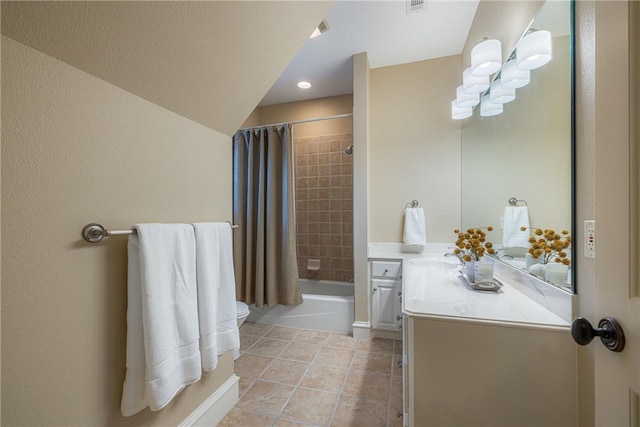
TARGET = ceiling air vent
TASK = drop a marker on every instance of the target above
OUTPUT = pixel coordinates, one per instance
(415, 6)
(322, 28)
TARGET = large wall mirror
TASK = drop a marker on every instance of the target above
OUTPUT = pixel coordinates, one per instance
(526, 153)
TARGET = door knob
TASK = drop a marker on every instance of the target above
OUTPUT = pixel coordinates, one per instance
(609, 330)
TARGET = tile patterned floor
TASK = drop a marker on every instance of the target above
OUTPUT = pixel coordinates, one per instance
(300, 377)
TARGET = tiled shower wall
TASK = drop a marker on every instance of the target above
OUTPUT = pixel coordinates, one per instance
(324, 205)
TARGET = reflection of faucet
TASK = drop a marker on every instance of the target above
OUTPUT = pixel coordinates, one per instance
(503, 255)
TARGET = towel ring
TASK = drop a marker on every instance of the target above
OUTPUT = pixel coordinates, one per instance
(413, 204)
(514, 202)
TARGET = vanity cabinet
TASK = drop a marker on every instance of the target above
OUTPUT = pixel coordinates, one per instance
(386, 298)
(467, 373)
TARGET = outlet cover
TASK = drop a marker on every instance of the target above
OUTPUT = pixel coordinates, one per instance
(590, 239)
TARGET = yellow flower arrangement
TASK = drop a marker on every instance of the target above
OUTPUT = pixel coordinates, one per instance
(472, 245)
(549, 245)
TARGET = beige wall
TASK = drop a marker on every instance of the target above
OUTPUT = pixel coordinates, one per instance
(76, 150)
(195, 58)
(361, 185)
(415, 148)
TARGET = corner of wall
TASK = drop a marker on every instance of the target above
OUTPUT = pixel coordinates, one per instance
(361, 184)
(253, 119)
(585, 193)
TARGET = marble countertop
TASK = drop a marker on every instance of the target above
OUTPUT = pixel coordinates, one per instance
(432, 287)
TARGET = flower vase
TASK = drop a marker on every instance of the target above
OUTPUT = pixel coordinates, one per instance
(470, 271)
(557, 274)
(538, 270)
(529, 261)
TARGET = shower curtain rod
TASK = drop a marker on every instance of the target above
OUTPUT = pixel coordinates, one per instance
(297, 122)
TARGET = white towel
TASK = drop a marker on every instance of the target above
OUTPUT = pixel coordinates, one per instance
(414, 227)
(514, 218)
(216, 292)
(162, 316)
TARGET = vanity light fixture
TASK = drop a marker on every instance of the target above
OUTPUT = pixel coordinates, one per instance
(474, 84)
(512, 77)
(465, 100)
(459, 113)
(304, 85)
(534, 50)
(486, 57)
(499, 94)
(488, 108)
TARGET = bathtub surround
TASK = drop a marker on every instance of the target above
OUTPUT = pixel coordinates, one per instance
(265, 241)
(324, 206)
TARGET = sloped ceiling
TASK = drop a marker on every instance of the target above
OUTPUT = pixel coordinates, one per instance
(209, 61)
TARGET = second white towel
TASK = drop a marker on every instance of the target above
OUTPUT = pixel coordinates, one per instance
(414, 227)
(514, 218)
(216, 292)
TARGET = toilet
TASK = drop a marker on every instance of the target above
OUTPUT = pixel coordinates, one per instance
(242, 310)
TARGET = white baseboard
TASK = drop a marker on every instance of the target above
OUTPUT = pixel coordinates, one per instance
(364, 331)
(361, 330)
(381, 333)
(214, 409)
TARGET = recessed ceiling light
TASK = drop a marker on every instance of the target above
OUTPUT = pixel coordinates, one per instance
(304, 85)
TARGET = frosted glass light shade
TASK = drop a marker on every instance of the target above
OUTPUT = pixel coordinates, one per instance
(487, 108)
(459, 113)
(512, 77)
(466, 99)
(486, 58)
(534, 50)
(474, 84)
(499, 94)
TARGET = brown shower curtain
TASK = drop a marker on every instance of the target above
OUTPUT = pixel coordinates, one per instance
(263, 207)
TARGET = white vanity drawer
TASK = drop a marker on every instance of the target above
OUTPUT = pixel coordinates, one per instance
(386, 269)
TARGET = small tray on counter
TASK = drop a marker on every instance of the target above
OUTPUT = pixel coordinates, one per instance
(484, 286)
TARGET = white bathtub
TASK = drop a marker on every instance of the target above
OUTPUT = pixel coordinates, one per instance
(326, 306)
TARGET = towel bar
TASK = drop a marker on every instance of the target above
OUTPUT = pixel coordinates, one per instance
(94, 233)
